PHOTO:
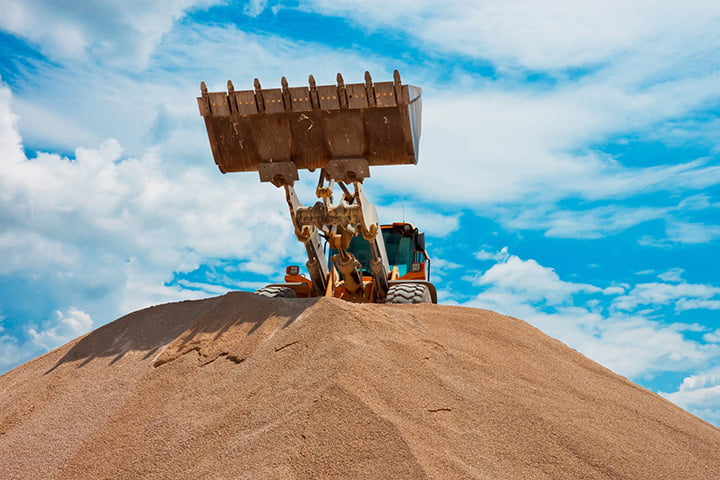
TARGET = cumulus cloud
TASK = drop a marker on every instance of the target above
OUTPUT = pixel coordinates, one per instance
(531, 142)
(534, 34)
(583, 316)
(529, 281)
(157, 107)
(106, 227)
(12, 352)
(55, 331)
(529, 145)
(107, 231)
(65, 326)
(528, 152)
(123, 33)
(685, 296)
(699, 394)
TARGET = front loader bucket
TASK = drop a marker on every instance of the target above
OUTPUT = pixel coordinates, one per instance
(312, 126)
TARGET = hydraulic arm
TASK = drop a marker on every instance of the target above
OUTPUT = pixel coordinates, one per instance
(338, 223)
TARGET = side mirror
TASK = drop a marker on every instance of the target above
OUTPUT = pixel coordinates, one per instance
(420, 242)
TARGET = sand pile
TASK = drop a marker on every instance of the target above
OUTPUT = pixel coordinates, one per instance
(242, 386)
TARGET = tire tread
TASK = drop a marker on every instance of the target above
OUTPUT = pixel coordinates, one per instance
(275, 291)
(408, 293)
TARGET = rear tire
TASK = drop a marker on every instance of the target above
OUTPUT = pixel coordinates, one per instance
(408, 293)
(277, 292)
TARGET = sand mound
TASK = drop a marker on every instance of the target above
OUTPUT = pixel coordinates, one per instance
(242, 386)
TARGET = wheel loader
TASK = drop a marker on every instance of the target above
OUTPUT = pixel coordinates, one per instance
(341, 130)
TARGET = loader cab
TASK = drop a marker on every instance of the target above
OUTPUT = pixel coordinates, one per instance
(405, 247)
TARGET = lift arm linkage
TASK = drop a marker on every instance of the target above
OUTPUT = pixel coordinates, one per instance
(317, 263)
(338, 223)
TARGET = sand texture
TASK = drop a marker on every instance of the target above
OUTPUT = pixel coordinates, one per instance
(246, 387)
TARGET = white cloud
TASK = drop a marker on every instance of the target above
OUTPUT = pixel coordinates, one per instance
(157, 107)
(530, 281)
(628, 343)
(598, 222)
(44, 124)
(443, 264)
(212, 289)
(697, 304)
(514, 154)
(13, 353)
(92, 206)
(536, 34)
(528, 145)
(685, 296)
(55, 331)
(639, 347)
(700, 394)
(698, 202)
(500, 255)
(255, 7)
(10, 142)
(106, 232)
(692, 233)
(499, 141)
(582, 224)
(428, 220)
(62, 328)
(712, 337)
(615, 289)
(123, 33)
(672, 275)
(632, 345)
(442, 273)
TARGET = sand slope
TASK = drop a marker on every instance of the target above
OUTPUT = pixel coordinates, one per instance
(241, 386)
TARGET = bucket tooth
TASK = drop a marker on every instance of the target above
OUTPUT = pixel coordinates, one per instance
(259, 96)
(286, 97)
(232, 101)
(368, 79)
(314, 98)
(396, 77)
(342, 92)
(369, 90)
(399, 97)
(204, 102)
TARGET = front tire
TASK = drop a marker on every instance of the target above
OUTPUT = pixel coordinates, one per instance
(408, 293)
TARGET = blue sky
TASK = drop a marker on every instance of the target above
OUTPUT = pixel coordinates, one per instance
(568, 171)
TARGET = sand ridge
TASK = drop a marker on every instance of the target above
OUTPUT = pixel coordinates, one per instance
(242, 386)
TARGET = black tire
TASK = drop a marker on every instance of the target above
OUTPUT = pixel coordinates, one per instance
(408, 293)
(274, 291)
